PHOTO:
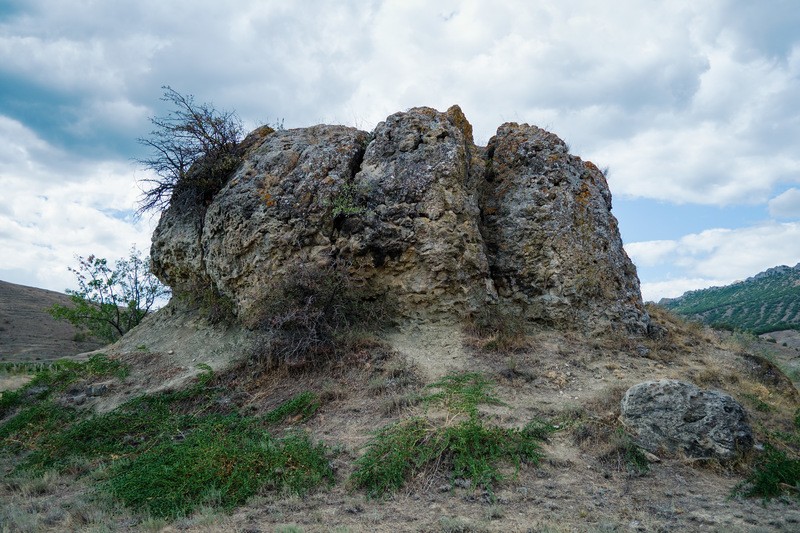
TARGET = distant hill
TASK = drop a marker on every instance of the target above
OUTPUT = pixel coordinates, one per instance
(769, 301)
(29, 333)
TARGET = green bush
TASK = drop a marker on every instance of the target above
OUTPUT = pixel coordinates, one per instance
(110, 301)
(223, 456)
(392, 454)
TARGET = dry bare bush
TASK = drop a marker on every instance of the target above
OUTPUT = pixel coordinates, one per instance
(313, 315)
(495, 330)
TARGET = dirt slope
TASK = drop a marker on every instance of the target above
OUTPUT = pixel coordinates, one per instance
(29, 333)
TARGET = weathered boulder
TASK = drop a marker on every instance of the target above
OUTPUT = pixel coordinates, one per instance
(554, 247)
(419, 232)
(678, 416)
(277, 209)
(414, 210)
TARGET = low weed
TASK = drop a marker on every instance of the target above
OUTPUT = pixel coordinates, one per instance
(624, 455)
(464, 444)
(773, 474)
(758, 403)
(303, 406)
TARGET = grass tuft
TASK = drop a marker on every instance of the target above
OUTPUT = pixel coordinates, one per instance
(303, 406)
(464, 444)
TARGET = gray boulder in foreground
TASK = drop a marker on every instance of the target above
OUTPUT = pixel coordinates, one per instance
(680, 417)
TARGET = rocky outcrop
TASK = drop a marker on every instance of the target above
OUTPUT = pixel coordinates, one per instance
(678, 416)
(415, 210)
(554, 246)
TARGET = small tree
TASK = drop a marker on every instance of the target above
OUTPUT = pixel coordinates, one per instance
(111, 301)
(193, 152)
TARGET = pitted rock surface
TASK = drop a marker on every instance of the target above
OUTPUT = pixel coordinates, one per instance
(678, 416)
(418, 212)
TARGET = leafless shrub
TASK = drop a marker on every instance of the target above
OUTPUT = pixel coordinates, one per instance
(311, 315)
(193, 151)
(495, 330)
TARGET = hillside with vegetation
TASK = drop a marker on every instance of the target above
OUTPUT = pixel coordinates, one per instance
(399, 331)
(766, 302)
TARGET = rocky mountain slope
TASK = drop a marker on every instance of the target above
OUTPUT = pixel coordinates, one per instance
(29, 333)
(766, 302)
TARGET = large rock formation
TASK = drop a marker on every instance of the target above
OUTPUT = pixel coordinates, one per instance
(416, 211)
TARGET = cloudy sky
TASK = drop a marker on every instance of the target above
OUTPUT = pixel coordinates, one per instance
(693, 106)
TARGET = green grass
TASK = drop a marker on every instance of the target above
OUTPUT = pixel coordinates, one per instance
(30, 426)
(466, 447)
(304, 404)
(57, 377)
(461, 394)
(164, 454)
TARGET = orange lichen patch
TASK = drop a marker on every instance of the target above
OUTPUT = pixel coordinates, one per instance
(460, 121)
(584, 195)
(268, 200)
(591, 166)
(265, 196)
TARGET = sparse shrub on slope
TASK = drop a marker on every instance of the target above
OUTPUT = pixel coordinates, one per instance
(495, 330)
(774, 473)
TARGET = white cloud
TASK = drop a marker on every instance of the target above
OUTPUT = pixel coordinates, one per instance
(786, 205)
(650, 253)
(45, 222)
(716, 256)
